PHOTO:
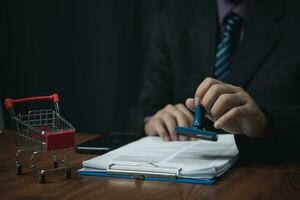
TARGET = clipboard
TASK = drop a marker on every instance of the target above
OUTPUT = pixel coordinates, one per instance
(150, 158)
(145, 175)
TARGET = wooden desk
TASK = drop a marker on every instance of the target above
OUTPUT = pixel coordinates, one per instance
(244, 181)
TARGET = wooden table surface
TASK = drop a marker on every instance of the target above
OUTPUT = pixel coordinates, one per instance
(243, 181)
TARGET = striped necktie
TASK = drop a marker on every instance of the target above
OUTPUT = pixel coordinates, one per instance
(231, 37)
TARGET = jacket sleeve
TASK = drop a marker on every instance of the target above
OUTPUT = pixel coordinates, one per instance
(156, 90)
(283, 142)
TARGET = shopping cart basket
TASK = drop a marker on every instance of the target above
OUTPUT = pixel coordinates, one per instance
(39, 131)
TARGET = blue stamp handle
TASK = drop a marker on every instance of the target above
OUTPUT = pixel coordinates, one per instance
(198, 118)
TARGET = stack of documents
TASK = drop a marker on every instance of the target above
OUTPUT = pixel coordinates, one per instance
(151, 157)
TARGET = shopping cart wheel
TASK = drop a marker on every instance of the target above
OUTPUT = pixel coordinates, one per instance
(42, 176)
(68, 173)
(55, 164)
(18, 169)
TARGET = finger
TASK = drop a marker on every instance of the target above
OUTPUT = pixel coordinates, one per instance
(190, 103)
(213, 94)
(161, 130)
(232, 114)
(190, 117)
(183, 138)
(203, 88)
(149, 126)
(224, 103)
(187, 113)
(181, 118)
(170, 123)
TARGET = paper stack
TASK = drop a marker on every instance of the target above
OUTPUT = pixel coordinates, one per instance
(152, 156)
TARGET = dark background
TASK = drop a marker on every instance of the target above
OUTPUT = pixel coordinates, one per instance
(89, 51)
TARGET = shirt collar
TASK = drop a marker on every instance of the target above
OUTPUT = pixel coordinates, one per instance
(227, 6)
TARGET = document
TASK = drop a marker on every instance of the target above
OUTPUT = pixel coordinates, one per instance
(188, 159)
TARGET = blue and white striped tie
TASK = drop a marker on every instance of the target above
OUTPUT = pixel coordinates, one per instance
(229, 41)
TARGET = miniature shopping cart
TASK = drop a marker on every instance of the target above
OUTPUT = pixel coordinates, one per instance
(39, 131)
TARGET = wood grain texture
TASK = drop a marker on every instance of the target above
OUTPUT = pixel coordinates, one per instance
(244, 181)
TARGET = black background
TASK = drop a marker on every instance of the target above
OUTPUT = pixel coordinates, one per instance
(89, 51)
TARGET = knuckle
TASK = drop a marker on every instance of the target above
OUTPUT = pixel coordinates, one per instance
(209, 80)
(180, 105)
(239, 89)
(237, 111)
(216, 88)
(158, 114)
(225, 98)
(168, 106)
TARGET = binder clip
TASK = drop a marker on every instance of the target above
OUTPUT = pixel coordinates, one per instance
(136, 172)
(196, 130)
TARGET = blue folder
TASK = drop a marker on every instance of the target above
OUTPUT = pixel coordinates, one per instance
(176, 180)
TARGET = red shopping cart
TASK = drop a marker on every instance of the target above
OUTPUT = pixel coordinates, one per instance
(41, 130)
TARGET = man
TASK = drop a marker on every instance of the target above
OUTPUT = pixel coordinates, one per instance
(249, 49)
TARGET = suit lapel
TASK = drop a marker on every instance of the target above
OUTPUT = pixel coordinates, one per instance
(261, 36)
(203, 34)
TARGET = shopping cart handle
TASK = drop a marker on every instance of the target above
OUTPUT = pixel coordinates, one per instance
(9, 103)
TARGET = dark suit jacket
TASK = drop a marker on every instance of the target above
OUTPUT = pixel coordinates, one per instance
(266, 65)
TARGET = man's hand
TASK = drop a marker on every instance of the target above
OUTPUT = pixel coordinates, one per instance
(164, 122)
(230, 108)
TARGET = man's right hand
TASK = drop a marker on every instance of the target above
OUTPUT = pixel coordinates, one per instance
(164, 122)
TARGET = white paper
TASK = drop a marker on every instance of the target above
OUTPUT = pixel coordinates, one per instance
(196, 159)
